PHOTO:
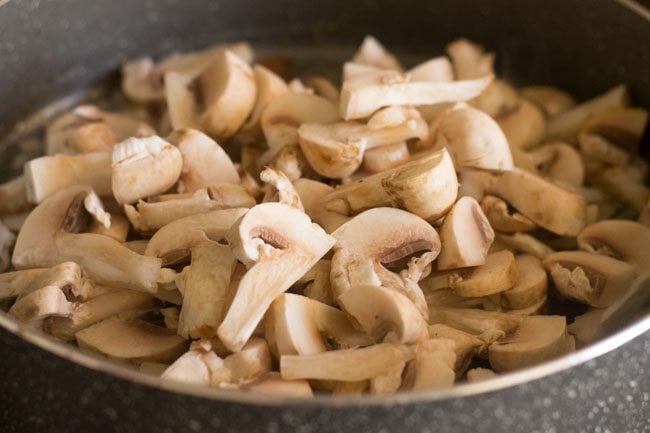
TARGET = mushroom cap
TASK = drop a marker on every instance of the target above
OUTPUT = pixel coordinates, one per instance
(621, 239)
(384, 158)
(536, 339)
(228, 89)
(159, 161)
(269, 86)
(273, 383)
(531, 285)
(524, 243)
(291, 327)
(41, 303)
(372, 53)
(498, 274)
(548, 205)
(182, 106)
(593, 279)
(524, 127)
(473, 139)
(622, 126)
(384, 314)
(466, 236)
(204, 161)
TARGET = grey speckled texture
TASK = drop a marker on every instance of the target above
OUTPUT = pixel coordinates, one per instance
(609, 394)
(49, 48)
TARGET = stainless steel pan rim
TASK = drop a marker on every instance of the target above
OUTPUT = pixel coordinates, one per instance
(104, 365)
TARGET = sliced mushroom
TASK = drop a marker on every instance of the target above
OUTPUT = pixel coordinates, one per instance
(389, 382)
(47, 175)
(620, 239)
(13, 196)
(173, 242)
(498, 274)
(620, 126)
(336, 150)
(279, 188)
(488, 326)
(161, 161)
(132, 340)
(151, 216)
(472, 183)
(95, 310)
(190, 367)
(502, 219)
(466, 345)
(553, 208)
(386, 157)
(362, 96)
(359, 258)
(7, 240)
(41, 303)
(446, 298)
(426, 186)
(227, 86)
(524, 243)
(269, 86)
(319, 287)
(383, 314)
(372, 53)
(323, 87)
(206, 289)
(560, 162)
(623, 187)
(285, 113)
(498, 100)
(291, 328)
(588, 278)
(566, 125)
(531, 286)
(292, 162)
(352, 70)
(250, 363)
(536, 339)
(311, 194)
(433, 364)
(473, 138)
(551, 100)
(278, 244)
(480, 374)
(469, 59)
(274, 384)
(13, 284)
(182, 106)
(119, 229)
(523, 127)
(466, 236)
(345, 365)
(601, 151)
(436, 70)
(204, 161)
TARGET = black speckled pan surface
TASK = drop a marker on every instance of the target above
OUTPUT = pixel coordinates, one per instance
(52, 48)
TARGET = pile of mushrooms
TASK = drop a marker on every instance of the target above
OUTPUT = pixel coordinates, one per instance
(409, 230)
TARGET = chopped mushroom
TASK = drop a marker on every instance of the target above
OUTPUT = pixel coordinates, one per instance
(132, 340)
(466, 345)
(433, 364)
(372, 53)
(386, 157)
(551, 100)
(7, 240)
(204, 161)
(158, 160)
(273, 383)
(466, 236)
(362, 96)
(278, 244)
(502, 219)
(41, 303)
(498, 274)
(13, 196)
(228, 88)
(560, 162)
(531, 285)
(589, 278)
(524, 127)
(47, 175)
(51, 234)
(480, 374)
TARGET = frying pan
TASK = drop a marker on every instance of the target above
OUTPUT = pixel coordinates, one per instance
(50, 49)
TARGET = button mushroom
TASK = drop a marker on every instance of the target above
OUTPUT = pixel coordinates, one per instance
(502, 219)
(278, 244)
(227, 86)
(498, 274)
(620, 239)
(49, 174)
(359, 258)
(473, 139)
(51, 235)
(589, 278)
(204, 161)
(466, 236)
(161, 162)
(552, 207)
